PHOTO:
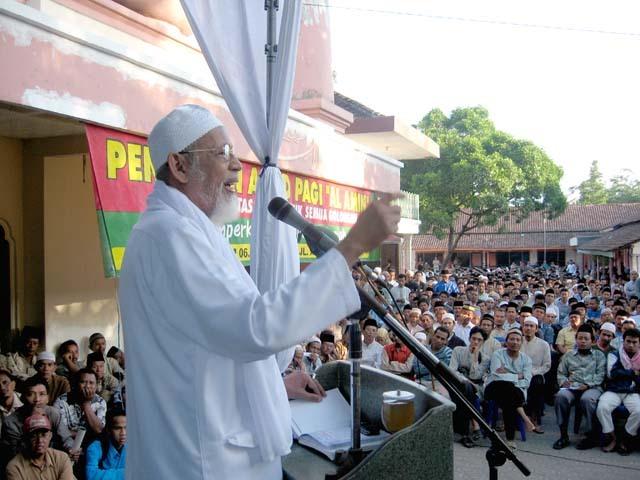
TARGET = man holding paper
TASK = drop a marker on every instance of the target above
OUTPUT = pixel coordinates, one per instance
(188, 305)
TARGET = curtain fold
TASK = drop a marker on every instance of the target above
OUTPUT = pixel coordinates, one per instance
(232, 35)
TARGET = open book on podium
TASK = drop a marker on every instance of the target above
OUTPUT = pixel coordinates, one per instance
(326, 426)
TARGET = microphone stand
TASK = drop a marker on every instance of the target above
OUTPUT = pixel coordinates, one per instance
(499, 452)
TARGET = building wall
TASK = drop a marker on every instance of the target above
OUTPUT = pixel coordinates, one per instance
(78, 299)
(11, 208)
(635, 256)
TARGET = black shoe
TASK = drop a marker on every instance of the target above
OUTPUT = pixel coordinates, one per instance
(586, 443)
(476, 435)
(467, 442)
(624, 448)
(561, 443)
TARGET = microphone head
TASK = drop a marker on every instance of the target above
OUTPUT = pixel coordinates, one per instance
(278, 207)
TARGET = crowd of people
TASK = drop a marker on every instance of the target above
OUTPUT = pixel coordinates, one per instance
(61, 417)
(518, 339)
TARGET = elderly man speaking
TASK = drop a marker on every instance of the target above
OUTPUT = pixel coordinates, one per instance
(205, 396)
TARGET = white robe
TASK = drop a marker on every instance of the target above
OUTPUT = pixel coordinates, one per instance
(200, 347)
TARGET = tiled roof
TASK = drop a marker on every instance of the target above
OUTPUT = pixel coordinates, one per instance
(576, 218)
(358, 109)
(617, 238)
(508, 234)
(496, 241)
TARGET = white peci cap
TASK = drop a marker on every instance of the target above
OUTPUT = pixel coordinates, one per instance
(179, 129)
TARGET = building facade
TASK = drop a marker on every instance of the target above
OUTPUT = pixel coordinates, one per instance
(82, 64)
(536, 240)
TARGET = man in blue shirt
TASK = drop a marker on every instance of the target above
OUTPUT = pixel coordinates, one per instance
(106, 456)
(445, 284)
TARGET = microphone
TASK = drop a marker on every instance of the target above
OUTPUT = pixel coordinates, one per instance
(318, 241)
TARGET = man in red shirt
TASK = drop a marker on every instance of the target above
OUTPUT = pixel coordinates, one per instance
(397, 358)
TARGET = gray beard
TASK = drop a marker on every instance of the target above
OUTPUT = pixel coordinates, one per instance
(227, 207)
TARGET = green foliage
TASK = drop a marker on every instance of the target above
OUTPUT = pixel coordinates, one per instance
(593, 190)
(482, 174)
(622, 188)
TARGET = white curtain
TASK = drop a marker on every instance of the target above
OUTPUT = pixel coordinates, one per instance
(232, 35)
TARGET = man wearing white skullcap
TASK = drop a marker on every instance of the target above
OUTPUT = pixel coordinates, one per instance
(190, 310)
(539, 352)
(46, 368)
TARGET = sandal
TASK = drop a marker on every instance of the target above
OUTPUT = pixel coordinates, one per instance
(538, 429)
(476, 435)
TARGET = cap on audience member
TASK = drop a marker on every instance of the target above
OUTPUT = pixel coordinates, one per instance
(503, 304)
(531, 319)
(608, 327)
(94, 337)
(314, 339)
(574, 312)
(458, 303)
(421, 337)
(629, 320)
(417, 311)
(370, 322)
(36, 422)
(449, 316)
(438, 304)
(327, 336)
(377, 270)
(526, 309)
(469, 308)
(94, 357)
(113, 351)
(45, 357)
(512, 332)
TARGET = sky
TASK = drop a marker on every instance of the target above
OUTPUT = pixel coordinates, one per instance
(576, 94)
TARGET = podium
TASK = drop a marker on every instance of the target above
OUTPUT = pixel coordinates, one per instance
(422, 451)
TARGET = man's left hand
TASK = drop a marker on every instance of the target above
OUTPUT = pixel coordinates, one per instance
(300, 385)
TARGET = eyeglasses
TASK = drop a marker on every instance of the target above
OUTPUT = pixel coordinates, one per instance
(225, 152)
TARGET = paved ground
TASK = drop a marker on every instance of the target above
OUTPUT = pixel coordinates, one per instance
(545, 462)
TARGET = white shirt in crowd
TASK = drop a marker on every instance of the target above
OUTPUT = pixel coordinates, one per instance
(372, 354)
(539, 352)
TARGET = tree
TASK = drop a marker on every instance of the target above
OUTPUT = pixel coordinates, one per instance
(482, 175)
(624, 188)
(593, 190)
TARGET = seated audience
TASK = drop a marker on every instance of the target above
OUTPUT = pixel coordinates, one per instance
(311, 359)
(622, 387)
(470, 366)
(371, 350)
(36, 401)
(82, 407)
(21, 364)
(106, 456)
(448, 322)
(507, 383)
(297, 363)
(69, 363)
(566, 339)
(607, 334)
(98, 344)
(9, 399)
(396, 357)
(37, 460)
(105, 383)
(56, 385)
(540, 354)
(580, 376)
